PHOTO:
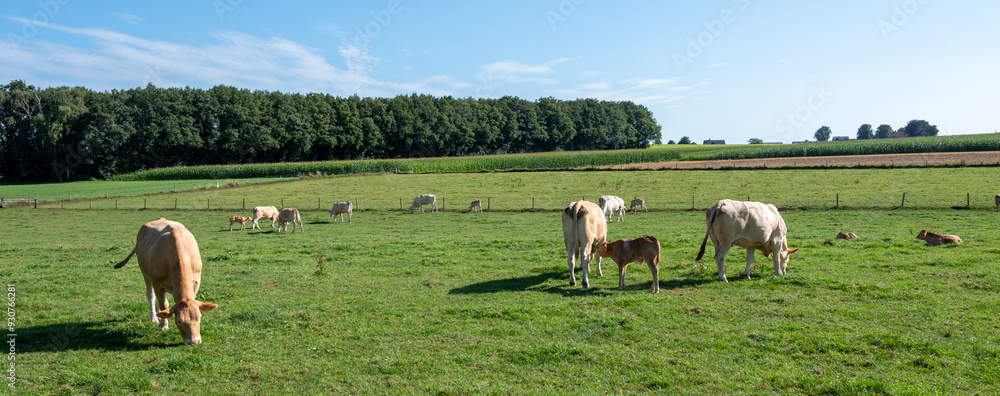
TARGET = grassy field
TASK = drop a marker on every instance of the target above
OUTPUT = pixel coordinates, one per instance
(663, 190)
(479, 303)
(457, 302)
(81, 190)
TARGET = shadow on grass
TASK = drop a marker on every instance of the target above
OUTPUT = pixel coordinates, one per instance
(61, 337)
(531, 283)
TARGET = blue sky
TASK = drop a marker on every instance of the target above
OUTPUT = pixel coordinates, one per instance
(722, 69)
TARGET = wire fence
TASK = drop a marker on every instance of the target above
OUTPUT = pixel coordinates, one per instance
(457, 203)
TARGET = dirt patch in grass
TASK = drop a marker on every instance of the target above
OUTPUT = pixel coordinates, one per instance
(918, 159)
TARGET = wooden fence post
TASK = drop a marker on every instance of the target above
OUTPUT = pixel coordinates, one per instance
(282, 203)
(904, 200)
(116, 204)
(967, 201)
(401, 204)
(692, 202)
(532, 203)
(36, 203)
(175, 203)
(838, 201)
(244, 204)
(488, 199)
(319, 203)
(60, 204)
(209, 201)
(144, 203)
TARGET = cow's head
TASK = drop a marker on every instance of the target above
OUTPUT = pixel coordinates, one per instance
(922, 234)
(784, 258)
(188, 318)
(603, 250)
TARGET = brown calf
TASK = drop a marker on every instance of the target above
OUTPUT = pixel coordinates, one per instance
(846, 235)
(238, 219)
(625, 251)
(935, 239)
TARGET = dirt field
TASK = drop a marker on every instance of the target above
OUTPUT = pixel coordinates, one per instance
(920, 159)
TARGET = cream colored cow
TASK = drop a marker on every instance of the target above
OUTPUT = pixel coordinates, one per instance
(610, 205)
(339, 209)
(426, 199)
(171, 263)
(752, 225)
(238, 219)
(289, 215)
(264, 212)
(476, 206)
(584, 230)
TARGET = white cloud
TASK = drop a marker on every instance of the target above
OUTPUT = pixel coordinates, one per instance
(131, 19)
(116, 60)
(642, 91)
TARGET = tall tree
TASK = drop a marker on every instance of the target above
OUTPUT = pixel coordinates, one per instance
(866, 132)
(920, 128)
(883, 131)
(822, 134)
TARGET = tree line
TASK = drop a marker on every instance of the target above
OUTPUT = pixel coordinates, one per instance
(62, 133)
(913, 128)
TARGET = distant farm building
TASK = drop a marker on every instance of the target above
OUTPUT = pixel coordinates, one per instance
(840, 138)
(714, 142)
(772, 143)
(800, 141)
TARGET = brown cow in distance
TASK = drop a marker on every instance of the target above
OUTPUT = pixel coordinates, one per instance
(935, 239)
(171, 263)
(625, 251)
(846, 235)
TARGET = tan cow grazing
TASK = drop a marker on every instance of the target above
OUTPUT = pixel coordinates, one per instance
(752, 225)
(640, 203)
(289, 215)
(264, 212)
(846, 235)
(426, 199)
(935, 239)
(476, 206)
(340, 208)
(170, 263)
(625, 251)
(238, 219)
(584, 230)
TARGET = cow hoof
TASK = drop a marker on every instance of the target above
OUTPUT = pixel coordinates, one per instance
(586, 285)
(164, 328)
(747, 277)
(572, 283)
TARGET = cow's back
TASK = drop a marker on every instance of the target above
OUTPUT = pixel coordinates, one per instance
(746, 224)
(163, 247)
(583, 223)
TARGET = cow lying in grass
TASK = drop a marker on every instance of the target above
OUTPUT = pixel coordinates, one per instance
(625, 251)
(289, 215)
(238, 219)
(846, 235)
(935, 239)
(171, 263)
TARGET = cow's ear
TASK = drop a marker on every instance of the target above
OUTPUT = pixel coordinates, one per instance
(207, 306)
(793, 250)
(165, 313)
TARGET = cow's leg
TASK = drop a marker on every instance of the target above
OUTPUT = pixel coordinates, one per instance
(161, 297)
(746, 272)
(571, 255)
(720, 261)
(151, 297)
(776, 256)
(597, 259)
(230, 226)
(254, 225)
(654, 268)
(621, 275)
(585, 256)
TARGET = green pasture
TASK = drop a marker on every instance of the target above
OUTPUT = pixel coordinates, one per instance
(884, 188)
(460, 303)
(95, 189)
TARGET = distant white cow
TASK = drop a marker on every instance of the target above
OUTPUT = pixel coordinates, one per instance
(611, 204)
(640, 203)
(584, 231)
(264, 212)
(340, 208)
(476, 206)
(752, 225)
(421, 200)
(289, 215)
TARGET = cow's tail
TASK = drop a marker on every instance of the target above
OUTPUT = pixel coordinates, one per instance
(573, 211)
(122, 263)
(711, 221)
